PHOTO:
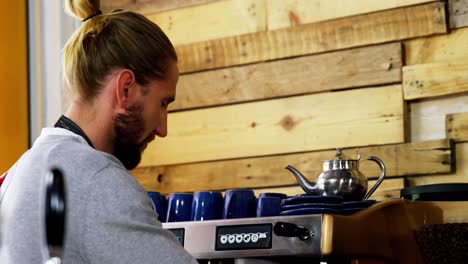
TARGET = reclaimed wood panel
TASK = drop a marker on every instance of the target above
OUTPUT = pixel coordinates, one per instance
(458, 13)
(459, 175)
(428, 116)
(387, 194)
(388, 189)
(308, 74)
(441, 48)
(301, 123)
(149, 6)
(212, 21)
(435, 79)
(457, 127)
(283, 14)
(374, 28)
(400, 160)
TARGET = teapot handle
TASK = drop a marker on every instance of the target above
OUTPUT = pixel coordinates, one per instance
(381, 178)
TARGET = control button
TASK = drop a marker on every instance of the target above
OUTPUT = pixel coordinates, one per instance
(239, 238)
(231, 239)
(254, 238)
(223, 239)
(246, 238)
(292, 230)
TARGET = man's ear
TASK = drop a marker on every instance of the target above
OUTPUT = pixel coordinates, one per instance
(125, 88)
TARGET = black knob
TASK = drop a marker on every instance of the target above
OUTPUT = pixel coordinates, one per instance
(55, 208)
(291, 230)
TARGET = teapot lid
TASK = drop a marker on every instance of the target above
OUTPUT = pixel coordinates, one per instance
(339, 155)
(341, 161)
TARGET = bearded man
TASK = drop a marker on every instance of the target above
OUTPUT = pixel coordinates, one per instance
(122, 70)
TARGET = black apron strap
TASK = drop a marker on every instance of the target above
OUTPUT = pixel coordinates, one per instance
(66, 123)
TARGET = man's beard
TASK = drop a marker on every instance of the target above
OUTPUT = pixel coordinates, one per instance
(128, 129)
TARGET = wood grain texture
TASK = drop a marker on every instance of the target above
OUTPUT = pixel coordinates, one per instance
(435, 79)
(379, 236)
(293, 124)
(458, 13)
(308, 74)
(454, 212)
(394, 242)
(212, 21)
(400, 160)
(457, 127)
(283, 14)
(460, 174)
(374, 28)
(428, 116)
(443, 48)
(149, 6)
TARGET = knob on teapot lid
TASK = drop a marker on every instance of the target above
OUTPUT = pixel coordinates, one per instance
(341, 156)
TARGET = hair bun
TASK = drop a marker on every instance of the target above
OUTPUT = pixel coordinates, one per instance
(83, 9)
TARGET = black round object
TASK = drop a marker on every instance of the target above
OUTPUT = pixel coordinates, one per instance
(55, 208)
(437, 192)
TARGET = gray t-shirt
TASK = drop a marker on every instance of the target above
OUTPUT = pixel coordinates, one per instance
(109, 216)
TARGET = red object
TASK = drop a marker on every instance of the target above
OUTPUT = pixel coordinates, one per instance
(2, 178)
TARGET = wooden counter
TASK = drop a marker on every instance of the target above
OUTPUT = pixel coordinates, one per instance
(385, 233)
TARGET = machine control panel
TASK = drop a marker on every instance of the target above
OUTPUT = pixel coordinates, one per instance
(240, 237)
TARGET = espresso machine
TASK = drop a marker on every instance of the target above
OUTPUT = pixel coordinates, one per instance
(386, 232)
(380, 232)
(294, 237)
(252, 240)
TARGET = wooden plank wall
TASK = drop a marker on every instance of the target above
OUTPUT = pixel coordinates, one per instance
(269, 83)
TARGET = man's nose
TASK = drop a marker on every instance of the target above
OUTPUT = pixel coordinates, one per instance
(161, 130)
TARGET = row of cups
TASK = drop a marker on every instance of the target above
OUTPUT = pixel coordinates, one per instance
(210, 205)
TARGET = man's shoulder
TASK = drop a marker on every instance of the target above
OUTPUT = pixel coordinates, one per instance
(76, 154)
(75, 157)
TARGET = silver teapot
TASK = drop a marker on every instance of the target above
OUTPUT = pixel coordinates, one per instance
(340, 177)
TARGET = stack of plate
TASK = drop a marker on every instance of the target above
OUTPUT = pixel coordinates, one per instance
(310, 204)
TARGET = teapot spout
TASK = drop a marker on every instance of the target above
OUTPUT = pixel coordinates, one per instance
(307, 186)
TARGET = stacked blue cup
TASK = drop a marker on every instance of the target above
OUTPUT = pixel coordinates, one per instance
(281, 196)
(159, 203)
(179, 207)
(268, 206)
(239, 203)
(210, 205)
(207, 206)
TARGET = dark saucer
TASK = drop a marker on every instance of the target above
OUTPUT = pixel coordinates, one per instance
(306, 211)
(302, 199)
(312, 205)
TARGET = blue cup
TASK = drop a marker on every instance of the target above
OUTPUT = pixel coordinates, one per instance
(239, 203)
(268, 206)
(159, 203)
(269, 194)
(207, 206)
(179, 207)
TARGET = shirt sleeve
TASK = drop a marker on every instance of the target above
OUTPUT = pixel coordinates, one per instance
(121, 226)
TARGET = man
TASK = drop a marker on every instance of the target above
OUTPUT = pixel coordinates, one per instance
(123, 73)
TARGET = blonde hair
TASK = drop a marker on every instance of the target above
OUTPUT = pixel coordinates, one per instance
(104, 42)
